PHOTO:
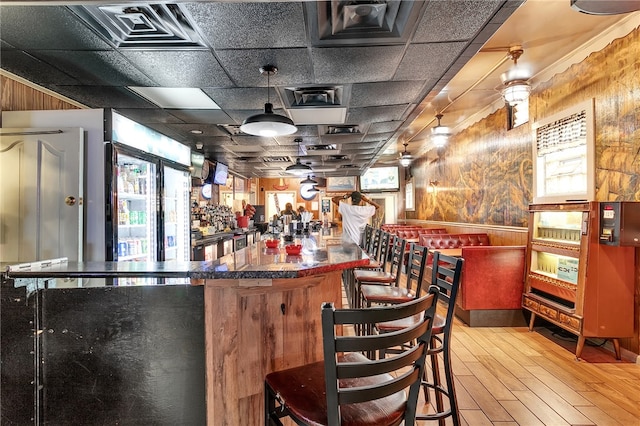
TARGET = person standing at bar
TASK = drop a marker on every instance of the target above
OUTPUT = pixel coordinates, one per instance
(355, 215)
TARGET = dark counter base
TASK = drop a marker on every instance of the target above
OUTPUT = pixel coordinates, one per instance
(114, 355)
(492, 317)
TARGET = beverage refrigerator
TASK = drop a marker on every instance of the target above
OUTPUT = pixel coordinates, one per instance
(147, 180)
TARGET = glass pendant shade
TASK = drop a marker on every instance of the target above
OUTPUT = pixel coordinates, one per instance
(405, 161)
(440, 134)
(516, 91)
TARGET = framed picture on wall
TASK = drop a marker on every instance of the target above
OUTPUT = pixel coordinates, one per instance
(341, 184)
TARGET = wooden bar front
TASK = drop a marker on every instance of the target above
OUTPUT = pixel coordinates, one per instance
(251, 331)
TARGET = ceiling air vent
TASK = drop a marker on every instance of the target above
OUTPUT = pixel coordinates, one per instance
(337, 158)
(157, 26)
(342, 130)
(323, 149)
(316, 104)
(342, 22)
(232, 129)
(349, 166)
(277, 159)
(328, 96)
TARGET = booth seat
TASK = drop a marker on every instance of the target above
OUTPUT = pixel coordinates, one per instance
(412, 234)
(492, 280)
(491, 286)
(451, 241)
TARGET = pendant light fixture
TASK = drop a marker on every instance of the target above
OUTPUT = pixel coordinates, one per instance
(298, 168)
(516, 88)
(405, 158)
(440, 134)
(308, 181)
(268, 124)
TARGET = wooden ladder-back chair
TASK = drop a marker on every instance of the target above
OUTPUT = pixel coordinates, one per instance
(412, 280)
(358, 391)
(381, 276)
(446, 272)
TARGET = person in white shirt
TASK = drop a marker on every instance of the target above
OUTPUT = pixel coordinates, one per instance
(355, 215)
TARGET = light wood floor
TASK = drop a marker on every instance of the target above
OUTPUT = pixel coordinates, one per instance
(510, 376)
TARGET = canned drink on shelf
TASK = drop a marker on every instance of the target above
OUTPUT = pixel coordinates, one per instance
(144, 246)
(133, 217)
(122, 249)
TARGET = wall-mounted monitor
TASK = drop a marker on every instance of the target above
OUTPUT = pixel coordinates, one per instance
(380, 179)
(197, 165)
(221, 174)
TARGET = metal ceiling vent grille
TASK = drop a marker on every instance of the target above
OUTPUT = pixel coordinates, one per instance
(315, 96)
(142, 25)
(362, 22)
(343, 130)
(322, 149)
(277, 159)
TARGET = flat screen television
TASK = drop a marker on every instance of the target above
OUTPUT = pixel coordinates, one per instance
(380, 179)
(221, 174)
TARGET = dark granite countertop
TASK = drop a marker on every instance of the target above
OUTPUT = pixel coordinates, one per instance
(320, 254)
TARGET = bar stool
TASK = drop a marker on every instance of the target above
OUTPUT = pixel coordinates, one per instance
(445, 274)
(369, 241)
(393, 294)
(347, 388)
(382, 276)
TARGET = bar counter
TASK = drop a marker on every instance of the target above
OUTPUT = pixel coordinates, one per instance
(253, 311)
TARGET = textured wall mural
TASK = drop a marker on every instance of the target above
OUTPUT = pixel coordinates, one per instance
(480, 177)
(484, 176)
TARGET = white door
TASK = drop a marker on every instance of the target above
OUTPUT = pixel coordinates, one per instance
(41, 190)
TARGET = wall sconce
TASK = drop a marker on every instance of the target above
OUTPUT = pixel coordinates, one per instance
(440, 134)
(433, 186)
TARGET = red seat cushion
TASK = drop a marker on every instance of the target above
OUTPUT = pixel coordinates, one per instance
(303, 391)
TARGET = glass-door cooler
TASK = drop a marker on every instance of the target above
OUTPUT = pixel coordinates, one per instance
(136, 235)
(176, 214)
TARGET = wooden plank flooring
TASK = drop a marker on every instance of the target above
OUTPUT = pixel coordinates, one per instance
(510, 376)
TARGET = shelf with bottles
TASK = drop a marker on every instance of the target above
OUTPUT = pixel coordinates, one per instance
(133, 179)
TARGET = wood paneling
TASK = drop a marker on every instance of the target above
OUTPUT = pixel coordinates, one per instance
(252, 331)
(16, 96)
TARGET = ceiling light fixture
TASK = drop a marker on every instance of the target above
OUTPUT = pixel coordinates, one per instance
(268, 124)
(298, 168)
(516, 89)
(405, 158)
(308, 181)
(440, 134)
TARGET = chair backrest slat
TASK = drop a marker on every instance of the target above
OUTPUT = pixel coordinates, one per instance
(397, 258)
(416, 265)
(380, 378)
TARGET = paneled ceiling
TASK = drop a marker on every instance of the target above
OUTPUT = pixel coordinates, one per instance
(358, 78)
